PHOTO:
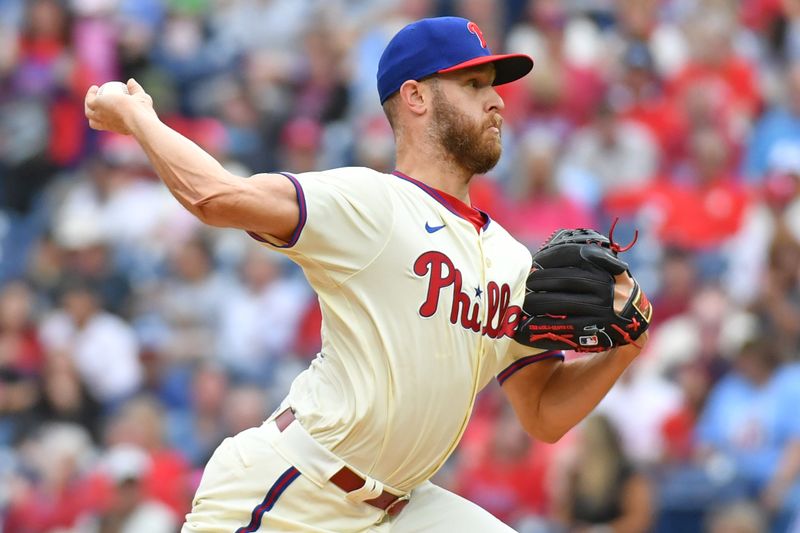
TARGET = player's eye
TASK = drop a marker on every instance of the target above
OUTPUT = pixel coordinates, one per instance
(474, 83)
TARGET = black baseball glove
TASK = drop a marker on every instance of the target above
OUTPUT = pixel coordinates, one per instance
(581, 296)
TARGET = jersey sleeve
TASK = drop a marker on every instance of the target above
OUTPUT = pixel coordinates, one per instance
(518, 356)
(346, 217)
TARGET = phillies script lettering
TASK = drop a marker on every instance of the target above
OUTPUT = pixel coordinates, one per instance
(501, 317)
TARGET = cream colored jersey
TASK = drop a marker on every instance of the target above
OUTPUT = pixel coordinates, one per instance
(417, 308)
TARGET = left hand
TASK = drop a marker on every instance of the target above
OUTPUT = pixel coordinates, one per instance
(582, 297)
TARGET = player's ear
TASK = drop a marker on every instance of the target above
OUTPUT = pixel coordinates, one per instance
(414, 97)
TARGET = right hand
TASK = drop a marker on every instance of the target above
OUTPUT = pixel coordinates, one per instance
(114, 111)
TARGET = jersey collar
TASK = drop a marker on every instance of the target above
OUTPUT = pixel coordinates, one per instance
(479, 219)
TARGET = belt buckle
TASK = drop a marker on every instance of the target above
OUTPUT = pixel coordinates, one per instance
(398, 505)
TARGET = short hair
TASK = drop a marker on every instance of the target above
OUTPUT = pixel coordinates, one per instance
(390, 110)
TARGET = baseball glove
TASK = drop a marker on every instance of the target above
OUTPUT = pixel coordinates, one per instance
(581, 296)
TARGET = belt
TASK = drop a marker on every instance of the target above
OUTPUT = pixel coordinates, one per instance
(348, 481)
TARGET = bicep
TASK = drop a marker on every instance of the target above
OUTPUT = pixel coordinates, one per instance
(263, 203)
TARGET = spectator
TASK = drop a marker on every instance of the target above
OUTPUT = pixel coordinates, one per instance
(678, 285)
(245, 407)
(709, 334)
(639, 96)
(738, 518)
(698, 211)
(717, 86)
(46, 87)
(246, 131)
(18, 394)
(509, 478)
(88, 255)
(603, 488)
(197, 430)
(140, 422)
(750, 421)
(56, 490)
(564, 91)
(188, 303)
(301, 141)
(772, 216)
(678, 429)
(102, 346)
(374, 146)
(20, 348)
(778, 304)
(109, 185)
(639, 430)
(541, 207)
(611, 153)
(785, 31)
(777, 129)
(259, 320)
(45, 268)
(65, 398)
(129, 509)
(319, 88)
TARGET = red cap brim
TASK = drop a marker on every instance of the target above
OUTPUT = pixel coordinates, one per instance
(508, 67)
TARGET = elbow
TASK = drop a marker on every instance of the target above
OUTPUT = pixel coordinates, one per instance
(212, 209)
(207, 212)
(550, 437)
(543, 432)
(212, 204)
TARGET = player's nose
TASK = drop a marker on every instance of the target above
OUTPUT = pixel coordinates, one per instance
(496, 102)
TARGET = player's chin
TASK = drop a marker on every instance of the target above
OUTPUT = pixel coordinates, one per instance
(494, 141)
(494, 149)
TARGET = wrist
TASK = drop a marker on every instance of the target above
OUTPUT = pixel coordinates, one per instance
(138, 119)
(629, 352)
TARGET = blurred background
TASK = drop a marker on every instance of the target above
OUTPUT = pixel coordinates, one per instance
(133, 340)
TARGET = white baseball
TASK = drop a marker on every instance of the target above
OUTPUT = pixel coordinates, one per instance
(113, 87)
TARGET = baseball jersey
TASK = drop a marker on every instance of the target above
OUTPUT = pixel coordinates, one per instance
(417, 308)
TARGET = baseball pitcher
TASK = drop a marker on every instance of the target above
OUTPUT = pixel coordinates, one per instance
(424, 299)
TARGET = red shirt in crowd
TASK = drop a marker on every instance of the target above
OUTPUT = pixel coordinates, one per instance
(688, 216)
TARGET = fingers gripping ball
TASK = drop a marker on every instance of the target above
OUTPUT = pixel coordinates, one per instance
(581, 296)
(113, 87)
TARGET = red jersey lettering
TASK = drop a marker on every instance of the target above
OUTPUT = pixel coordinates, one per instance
(501, 317)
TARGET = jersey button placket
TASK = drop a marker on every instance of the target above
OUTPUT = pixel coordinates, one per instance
(485, 264)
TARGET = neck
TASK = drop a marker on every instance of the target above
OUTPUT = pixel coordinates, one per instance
(435, 169)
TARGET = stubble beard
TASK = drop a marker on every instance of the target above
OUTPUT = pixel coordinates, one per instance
(467, 143)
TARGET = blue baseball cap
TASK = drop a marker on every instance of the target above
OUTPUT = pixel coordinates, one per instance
(442, 44)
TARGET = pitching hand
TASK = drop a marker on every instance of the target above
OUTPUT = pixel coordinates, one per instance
(114, 111)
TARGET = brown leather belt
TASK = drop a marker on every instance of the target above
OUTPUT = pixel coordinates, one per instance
(348, 481)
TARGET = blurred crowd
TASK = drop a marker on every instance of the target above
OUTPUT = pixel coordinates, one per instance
(133, 339)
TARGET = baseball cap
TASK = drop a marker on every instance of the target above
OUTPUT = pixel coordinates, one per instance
(442, 44)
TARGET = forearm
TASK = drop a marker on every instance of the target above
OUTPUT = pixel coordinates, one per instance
(192, 175)
(576, 387)
(549, 403)
(266, 204)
